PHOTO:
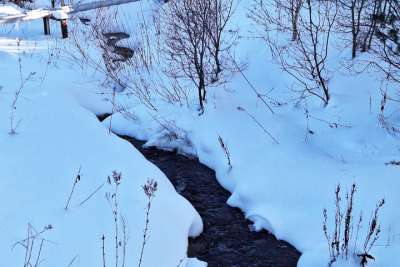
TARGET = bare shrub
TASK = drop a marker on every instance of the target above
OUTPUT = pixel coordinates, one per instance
(33, 251)
(149, 189)
(187, 43)
(129, 59)
(304, 59)
(115, 180)
(388, 48)
(120, 236)
(121, 64)
(342, 240)
(194, 33)
(14, 122)
(120, 225)
(226, 151)
(183, 42)
(354, 19)
(222, 39)
(280, 15)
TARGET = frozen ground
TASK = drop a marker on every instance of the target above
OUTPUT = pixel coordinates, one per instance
(280, 187)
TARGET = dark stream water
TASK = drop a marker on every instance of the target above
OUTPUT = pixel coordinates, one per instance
(227, 239)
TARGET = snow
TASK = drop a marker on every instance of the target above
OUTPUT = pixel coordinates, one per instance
(192, 262)
(60, 14)
(282, 188)
(9, 9)
(55, 138)
(12, 14)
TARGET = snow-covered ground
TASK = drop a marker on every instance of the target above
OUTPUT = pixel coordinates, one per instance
(280, 187)
(39, 164)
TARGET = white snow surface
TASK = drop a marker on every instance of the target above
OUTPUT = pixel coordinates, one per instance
(282, 188)
(56, 136)
(9, 9)
(60, 14)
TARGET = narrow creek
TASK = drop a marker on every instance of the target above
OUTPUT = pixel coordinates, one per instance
(227, 239)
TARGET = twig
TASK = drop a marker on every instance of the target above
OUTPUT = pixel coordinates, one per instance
(39, 253)
(125, 240)
(72, 261)
(103, 250)
(113, 200)
(149, 189)
(112, 112)
(226, 150)
(330, 124)
(259, 124)
(91, 194)
(259, 96)
(34, 236)
(308, 131)
(77, 179)
(14, 125)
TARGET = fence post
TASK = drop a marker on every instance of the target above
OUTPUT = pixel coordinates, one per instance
(64, 28)
(64, 24)
(46, 25)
